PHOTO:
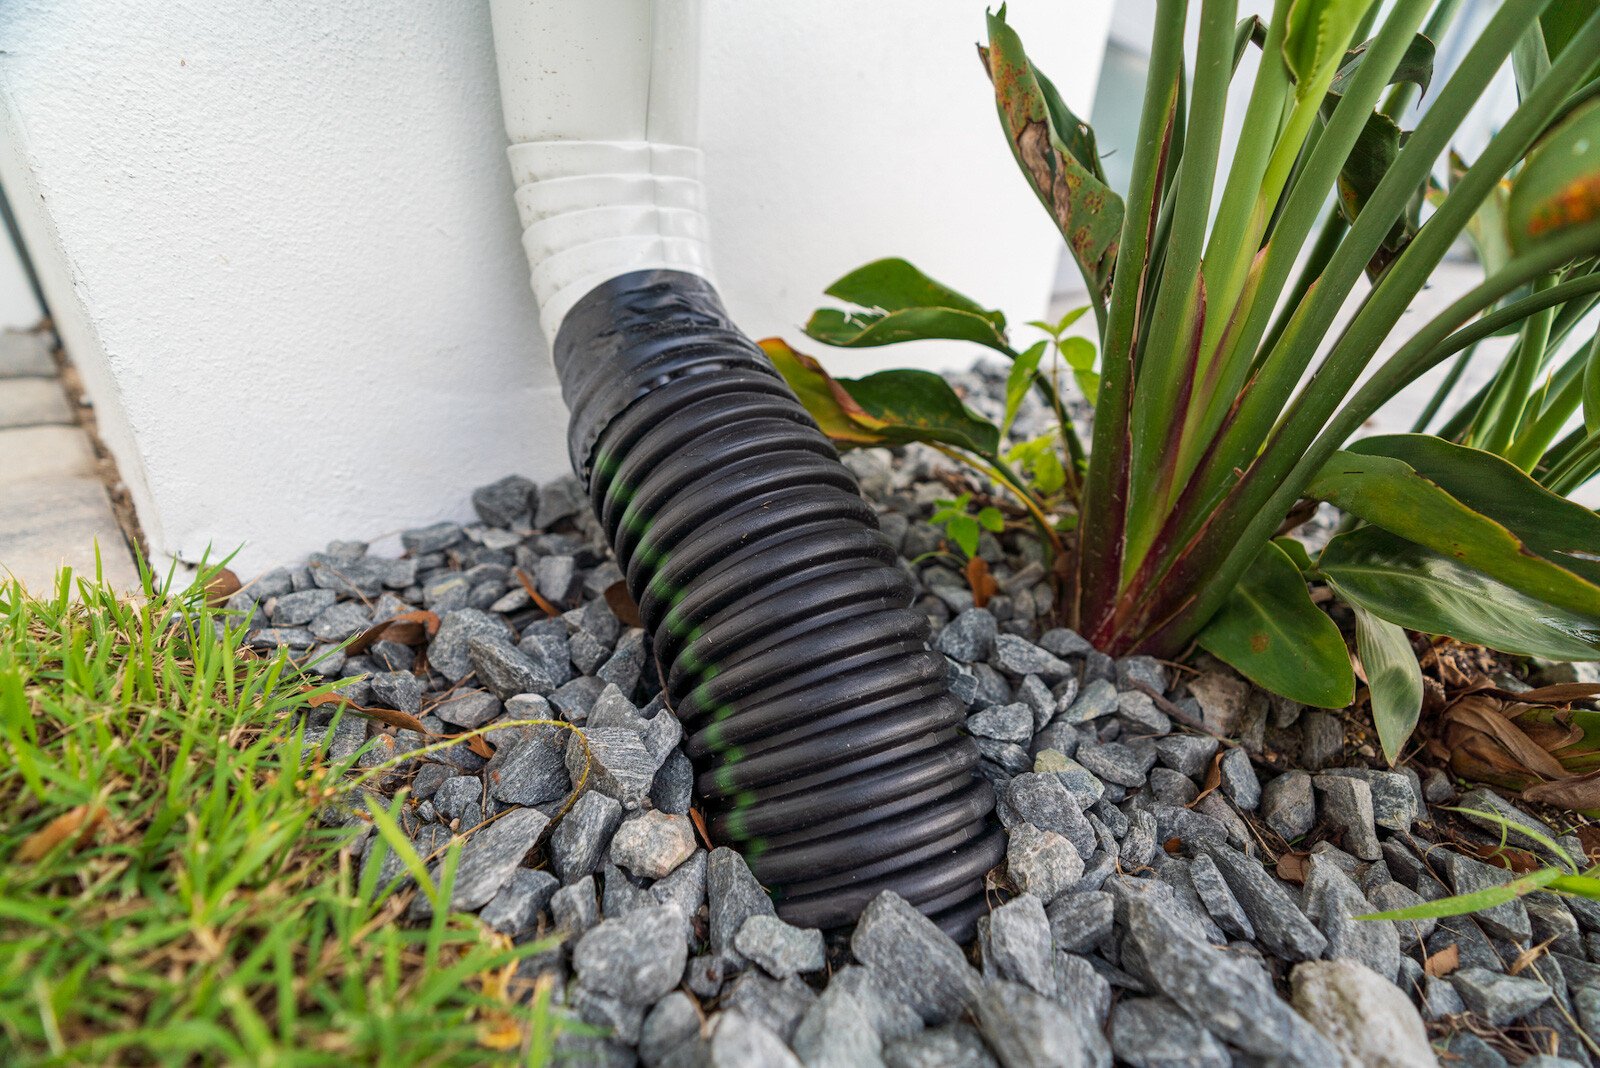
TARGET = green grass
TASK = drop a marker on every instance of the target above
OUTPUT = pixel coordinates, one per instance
(167, 894)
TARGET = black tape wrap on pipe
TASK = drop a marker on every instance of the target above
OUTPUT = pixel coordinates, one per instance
(825, 741)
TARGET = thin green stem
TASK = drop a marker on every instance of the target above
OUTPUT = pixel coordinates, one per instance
(1104, 508)
(1501, 415)
(1446, 385)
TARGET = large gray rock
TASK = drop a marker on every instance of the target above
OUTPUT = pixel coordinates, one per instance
(913, 961)
(507, 670)
(781, 949)
(1499, 999)
(1333, 901)
(652, 844)
(1228, 994)
(1280, 925)
(1020, 944)
(836, 1033)
(636, 959)
(1368, 1018)
(582, 836)
(1288, 804)
(492, 854)
(734, 896)
(1508, 920)
(956, 1045)
(618, 763)
(1043, 800)
(738, 1041)
(1156, 1033)
(1028, 1030)
(448, 654)
(1042, 863)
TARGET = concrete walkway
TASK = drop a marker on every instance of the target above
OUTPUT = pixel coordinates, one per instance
(54, 509)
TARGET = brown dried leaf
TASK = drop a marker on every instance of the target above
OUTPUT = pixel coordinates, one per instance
(77, 824)
(699, 822)
(621, 603)
(407, 628)
(392, 717)
(1444, 962)
(1481, 713)
(1213, 778)
(1577, 792)
(223, 584)
(1293, 867)
(1589, 835)
(1527, 957)
(533, 593)
(981, 581)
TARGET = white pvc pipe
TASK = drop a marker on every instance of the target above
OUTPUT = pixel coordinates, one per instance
(601, 105)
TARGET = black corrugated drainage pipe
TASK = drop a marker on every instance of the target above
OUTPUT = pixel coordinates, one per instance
(826, 745)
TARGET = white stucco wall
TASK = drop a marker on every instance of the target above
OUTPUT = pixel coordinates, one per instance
(279, 238)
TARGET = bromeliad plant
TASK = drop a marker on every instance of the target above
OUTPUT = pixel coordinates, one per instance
(1208, 434)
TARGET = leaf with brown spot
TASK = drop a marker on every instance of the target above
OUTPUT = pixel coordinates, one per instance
(76, 824)
(981, 581)
(1056, 151)
(622, 604)
(1444, 962)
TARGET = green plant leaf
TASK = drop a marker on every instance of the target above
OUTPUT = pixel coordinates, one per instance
(836, 412)
(1057, 154)
(887, 408)
(1316, 35)
(868, 329)
(991, 520)
(1559, 185)
(1272, 632)
(1394, 680)
(894, 284)
(1581, 885)
(1591, 387)
(1378, 144)
(1296, 551)
(1559, 530)
(913, 405)
(1391, 494)
(1020, 380)
(1427, 591)
(1041, 460)
(1462, 904)
(964, 530)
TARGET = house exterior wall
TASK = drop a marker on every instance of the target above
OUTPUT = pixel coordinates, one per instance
(279, 240)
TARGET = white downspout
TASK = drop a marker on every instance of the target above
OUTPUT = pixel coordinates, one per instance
(601, 103)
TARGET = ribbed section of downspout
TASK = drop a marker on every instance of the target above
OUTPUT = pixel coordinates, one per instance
(826, 744)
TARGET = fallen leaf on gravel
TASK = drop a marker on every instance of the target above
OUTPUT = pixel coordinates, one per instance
(1527, 957)
(79, 822)
(621, 603)
(1535, 742)
(1293, 867)
(407, 628)
(390, 716)
(981, 581)
(527, 584)
(1580, 792)
(1444, 962)
(1213, 779)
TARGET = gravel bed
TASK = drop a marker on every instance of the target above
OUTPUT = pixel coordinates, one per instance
(1139, 918)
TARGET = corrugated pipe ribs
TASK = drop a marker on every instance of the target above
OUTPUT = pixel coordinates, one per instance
(826, 745)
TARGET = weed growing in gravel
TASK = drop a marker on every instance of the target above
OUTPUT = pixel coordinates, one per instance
(167, 894)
